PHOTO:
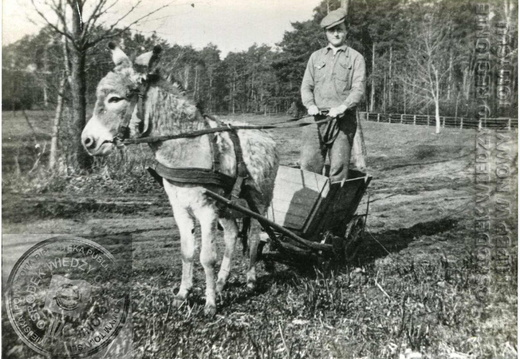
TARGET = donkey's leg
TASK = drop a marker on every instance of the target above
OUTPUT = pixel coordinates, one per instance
(208, 256)
(256, 243)
(230, 237)
(186, 225)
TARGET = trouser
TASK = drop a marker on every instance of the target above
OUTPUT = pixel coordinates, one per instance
(335, 138)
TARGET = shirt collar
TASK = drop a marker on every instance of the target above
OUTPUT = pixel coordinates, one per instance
(341, 48)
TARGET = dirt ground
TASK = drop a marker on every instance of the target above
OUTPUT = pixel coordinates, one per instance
(421, 202)
(406, 191)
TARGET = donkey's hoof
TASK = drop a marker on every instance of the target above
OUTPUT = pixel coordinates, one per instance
(177, 301)
(210, 310)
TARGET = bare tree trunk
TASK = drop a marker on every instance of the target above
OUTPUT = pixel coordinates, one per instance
(45, 77)
(53, 159)
(384, 94)
(196, 90)
(373, 85)
(404, 99)
(450, 74)
(436, 98)
(252, 97)
(210, 107)
(437, 117)
(466, 83)
(457, 104)
(233, 90)
(45, 96)
(79, 89)
(344, 5)
(390, 81)
(79, 109)
(186, 77)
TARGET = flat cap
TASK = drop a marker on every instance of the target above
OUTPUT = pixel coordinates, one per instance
(334, 18)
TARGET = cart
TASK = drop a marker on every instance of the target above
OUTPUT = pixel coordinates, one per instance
(311, 220)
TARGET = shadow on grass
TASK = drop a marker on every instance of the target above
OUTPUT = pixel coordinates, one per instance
(372, 247)
(378, 245)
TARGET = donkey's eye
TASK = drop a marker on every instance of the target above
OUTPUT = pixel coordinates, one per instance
(115, 99)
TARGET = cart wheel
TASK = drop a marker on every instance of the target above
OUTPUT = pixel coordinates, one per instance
(354, 237)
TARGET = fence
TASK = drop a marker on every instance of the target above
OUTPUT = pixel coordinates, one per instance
(453, 122)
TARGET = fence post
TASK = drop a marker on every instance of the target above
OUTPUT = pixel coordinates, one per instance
(461, 123)
(414, 119)
(509, 124)
(402, 118)
(444, 122)
(428, 120)
(389, 118)
(479, 124)
(378, 117)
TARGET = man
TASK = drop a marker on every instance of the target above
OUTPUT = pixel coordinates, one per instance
(334, 81)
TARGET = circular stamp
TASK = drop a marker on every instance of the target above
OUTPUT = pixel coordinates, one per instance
(67, 297)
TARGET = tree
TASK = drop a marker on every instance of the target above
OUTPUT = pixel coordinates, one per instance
(79, 25)
(427, 55)
(296, 48)
(210, 57)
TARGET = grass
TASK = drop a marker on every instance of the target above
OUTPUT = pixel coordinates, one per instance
(377, 311)
(412, 291)
(124, 171)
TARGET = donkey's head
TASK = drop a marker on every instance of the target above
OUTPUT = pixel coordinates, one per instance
(119, 112)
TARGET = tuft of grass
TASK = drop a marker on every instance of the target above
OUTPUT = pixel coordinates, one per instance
(122, 172)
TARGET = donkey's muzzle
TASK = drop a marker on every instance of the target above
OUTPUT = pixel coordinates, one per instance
(89, 142)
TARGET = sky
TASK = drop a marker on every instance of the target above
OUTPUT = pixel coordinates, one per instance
(232, 25)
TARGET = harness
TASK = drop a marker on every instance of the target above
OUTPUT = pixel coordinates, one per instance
(205, 176)
(197, 176)
(136, 97)
(191, 175)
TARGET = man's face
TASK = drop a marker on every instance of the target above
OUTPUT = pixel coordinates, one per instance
(337, 35)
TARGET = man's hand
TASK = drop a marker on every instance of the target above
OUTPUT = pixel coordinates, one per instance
(337, 111)
(313, 110)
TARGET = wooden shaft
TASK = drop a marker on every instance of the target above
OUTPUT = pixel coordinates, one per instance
(263, 220)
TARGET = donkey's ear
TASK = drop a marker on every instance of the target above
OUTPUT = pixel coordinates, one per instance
(149, 60)
(119, 57)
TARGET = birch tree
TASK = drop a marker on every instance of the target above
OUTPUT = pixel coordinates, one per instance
(427, 56)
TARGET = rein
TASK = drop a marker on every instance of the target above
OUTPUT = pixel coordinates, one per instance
(227, 128)
(137, 97)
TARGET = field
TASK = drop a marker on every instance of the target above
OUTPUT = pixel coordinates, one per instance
(414, 290)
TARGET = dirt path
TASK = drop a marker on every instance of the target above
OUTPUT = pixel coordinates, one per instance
(400, 198)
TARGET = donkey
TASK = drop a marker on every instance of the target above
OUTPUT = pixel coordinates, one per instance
(136, 95)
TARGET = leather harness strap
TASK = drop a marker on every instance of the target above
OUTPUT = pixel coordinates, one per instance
(136, 96)
(215, 154)
(123, 132)
(241, 170)
(213, 176)
(192, 175)
(204, 176)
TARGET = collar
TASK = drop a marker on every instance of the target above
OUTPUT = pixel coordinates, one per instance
(343, 48)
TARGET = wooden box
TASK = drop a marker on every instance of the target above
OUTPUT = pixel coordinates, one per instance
(308, 203)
